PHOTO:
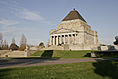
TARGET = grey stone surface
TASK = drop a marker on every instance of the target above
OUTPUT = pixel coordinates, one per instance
(116, 47)
(104, 48)
(93, 54)
(116, 42)
(14, 54)
(76, 33)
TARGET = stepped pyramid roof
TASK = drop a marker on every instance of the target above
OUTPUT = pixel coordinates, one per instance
(73, 15)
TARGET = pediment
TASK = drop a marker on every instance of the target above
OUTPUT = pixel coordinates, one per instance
(63, 31)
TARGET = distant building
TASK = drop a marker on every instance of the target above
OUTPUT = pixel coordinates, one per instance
(74, 32)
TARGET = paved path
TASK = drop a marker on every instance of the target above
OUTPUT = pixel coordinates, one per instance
(37, 62)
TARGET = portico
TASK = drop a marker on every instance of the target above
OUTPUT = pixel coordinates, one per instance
(59, 39)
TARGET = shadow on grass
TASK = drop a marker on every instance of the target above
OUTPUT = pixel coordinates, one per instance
(4, 73)
(87, 55)
(46, 56)
(108, 68)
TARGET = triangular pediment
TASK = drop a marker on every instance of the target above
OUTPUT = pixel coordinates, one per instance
(63, 31)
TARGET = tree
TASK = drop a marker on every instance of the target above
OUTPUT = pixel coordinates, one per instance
(41, 45)
(5, 45)
(0, 36)
(23, 43)
(13, 46)
(13, 40)
(116, 42)
(23, 40)
(1, 40)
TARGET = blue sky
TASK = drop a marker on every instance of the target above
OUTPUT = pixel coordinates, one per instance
(35, 18)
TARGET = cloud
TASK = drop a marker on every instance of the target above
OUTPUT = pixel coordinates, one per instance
(30, 15)
(6, 22)
(25, 14)
(22, 14)
(9, 31)
(19, 11)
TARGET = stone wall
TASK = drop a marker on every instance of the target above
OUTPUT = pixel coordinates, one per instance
(77, 32)
(14, 54)
(30, 52)
(75, 25)
(2, 52)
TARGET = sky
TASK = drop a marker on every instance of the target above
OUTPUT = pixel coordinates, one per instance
(35, 18)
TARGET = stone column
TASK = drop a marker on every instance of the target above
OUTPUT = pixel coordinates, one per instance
(64, 38)
(68, 39)
(74, 38)
(53, 40)
(57, 40)
(60, 41)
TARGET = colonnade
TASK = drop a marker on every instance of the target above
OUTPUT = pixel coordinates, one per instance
(63, 39)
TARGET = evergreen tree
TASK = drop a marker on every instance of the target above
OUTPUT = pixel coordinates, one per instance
(41, 45)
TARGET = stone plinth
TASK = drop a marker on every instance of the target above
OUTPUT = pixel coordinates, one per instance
(116, 47)
(104, 48)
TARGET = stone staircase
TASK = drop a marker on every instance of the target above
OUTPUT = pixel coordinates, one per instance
(54, 47)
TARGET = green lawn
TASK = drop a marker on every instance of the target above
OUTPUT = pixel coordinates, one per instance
(62, 53)
(89, 70)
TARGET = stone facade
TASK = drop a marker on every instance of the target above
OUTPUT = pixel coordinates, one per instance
(75, 33)
(8, 53)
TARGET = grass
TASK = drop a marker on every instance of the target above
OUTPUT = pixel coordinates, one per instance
(63, 54)
(89, 70)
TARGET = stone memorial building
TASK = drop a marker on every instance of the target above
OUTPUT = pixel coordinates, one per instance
(74, 33)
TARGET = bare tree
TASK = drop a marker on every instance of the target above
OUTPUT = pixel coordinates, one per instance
(5, 42)
(23, 40)
(5, 45)
(23, 43)
(0, 36)
(1, 40)
(13, 40)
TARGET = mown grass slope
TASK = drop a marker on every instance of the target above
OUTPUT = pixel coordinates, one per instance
(62, 53)
(90, 70)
